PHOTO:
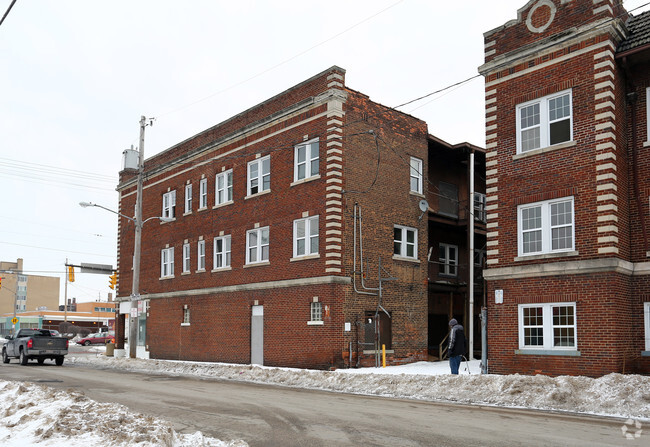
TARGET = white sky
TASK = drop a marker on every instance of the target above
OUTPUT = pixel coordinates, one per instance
(77, 75)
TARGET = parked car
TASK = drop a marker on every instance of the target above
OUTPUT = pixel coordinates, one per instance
(38, 344)
(96, 339)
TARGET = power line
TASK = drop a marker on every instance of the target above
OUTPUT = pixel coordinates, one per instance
(7, 13)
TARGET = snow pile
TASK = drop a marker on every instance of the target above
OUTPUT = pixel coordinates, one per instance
(37, 415)
(619, 395)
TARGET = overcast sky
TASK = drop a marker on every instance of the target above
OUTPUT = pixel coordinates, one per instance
(76, 75)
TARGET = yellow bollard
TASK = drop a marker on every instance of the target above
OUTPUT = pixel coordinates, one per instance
(383, 356)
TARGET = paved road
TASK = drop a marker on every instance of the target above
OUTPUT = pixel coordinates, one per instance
(275, 416)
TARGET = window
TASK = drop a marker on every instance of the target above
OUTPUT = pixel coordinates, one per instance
(448, 257)
(188, 198)
(203, 193)
(416, 175)
(646, 319)
(547, 326)
(186, 258)
(167, 262)
(222, 252)
(306, 160)
(257, 245)
(259, 175)
(480, 203)
(405, 243)
(546, 227)
(544, 122)
(223, 187)
(448, 199)
(186, 316)
(316, 311)
(305, 236)
(169, 204)
(201, 255)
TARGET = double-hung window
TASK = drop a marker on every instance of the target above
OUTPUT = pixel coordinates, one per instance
(416, 175)
(544, 122)
(223, 187)
(167, 262)
(305, 236)
(203, 193)
(259, 175)
(169, 204)
(221, 252)
(188, 198)
(480, 207)
(201, 255)
(186, 258)
(546, 227)
(405, 242)
(306, 160)
(549, 326)
(257, 245)
(448, 258)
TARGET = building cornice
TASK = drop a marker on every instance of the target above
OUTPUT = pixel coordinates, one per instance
(607, 265)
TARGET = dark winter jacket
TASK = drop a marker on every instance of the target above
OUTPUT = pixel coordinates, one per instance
(457, 341)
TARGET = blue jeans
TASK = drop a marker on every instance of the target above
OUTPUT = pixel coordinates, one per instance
(454, 363)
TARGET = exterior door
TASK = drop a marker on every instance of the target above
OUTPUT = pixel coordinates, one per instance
(257, 335)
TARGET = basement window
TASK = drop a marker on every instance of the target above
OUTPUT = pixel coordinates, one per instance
(186, 316)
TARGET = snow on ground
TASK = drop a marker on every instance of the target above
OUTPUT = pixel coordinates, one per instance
(28, 412)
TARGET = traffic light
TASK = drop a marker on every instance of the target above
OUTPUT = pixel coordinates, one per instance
(70, 273)
(112, 281)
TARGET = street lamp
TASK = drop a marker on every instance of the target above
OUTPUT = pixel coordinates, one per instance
(135, 294)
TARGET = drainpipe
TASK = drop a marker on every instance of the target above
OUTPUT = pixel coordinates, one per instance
(470, 254)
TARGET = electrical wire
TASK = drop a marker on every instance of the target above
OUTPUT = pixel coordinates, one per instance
(7, 12)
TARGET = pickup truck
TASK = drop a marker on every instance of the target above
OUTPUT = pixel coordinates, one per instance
(39, 344)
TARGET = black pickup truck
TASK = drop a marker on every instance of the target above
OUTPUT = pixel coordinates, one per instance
(39, 344)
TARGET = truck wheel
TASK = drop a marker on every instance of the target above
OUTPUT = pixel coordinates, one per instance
(23, 357)
(5, 357)
(59, 360)
(41, 360)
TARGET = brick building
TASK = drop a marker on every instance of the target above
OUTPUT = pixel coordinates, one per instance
(297, 236)
(568, 189)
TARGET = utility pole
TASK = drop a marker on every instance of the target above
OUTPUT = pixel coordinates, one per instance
(135, 288)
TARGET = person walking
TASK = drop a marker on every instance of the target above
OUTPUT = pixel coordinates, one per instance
(456, 345)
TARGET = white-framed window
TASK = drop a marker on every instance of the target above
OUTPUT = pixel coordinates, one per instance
(221, 252)
(259, 175)
(200, 255)
(646, 321)
(316, 311)
(305, 236)
(405, 242)
(188, 198)
(167, 262)
(186, 316)
(547, 326)
(448, 258)
(480, 207)
(305, 160)
(416, 175)
(223, 187)
(169, 204)
(257, 245)
(544, 122)
(546, 227)
(203, 193)
(186, 258)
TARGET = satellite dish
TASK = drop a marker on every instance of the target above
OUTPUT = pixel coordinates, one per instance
(424, 205)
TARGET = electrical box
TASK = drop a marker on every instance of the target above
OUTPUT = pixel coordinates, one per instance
(130, 159)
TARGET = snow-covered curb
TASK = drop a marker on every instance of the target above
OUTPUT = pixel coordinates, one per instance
(626, 396)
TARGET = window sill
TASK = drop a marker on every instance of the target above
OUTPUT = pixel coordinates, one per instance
(305, 180)
(220, 205)
(204, 208)
(645, 353)
(543, 150)
(557, 352)
(403, 258)
(257, 194)
(315, 323)
(187, 213)
(257, 264)
(646, 144)
(166, 277)
(200, 271)
(173, 219)
(222, 269)
(185, 273)
(184, 324)
(562, 254)
(417, 194)
(305, 257)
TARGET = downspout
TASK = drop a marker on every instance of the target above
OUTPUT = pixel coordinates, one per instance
(470, 226)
